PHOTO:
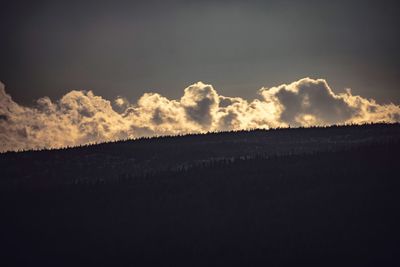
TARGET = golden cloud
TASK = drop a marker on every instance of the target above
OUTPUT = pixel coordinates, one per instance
(80, 117)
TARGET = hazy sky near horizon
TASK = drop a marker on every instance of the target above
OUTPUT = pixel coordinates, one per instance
(127, 48)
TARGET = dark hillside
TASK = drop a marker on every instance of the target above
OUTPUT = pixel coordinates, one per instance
(308, 197)
(125, 159)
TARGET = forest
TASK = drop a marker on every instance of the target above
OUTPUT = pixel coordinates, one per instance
(323, 196)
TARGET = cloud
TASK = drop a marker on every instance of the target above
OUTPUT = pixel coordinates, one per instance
(312, 102)
(200, 103)
(81, 117)
(308, 102)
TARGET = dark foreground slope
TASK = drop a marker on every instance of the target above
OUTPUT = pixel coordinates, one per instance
(330, 200)
(124, 160)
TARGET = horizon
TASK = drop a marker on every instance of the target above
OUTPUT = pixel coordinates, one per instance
(81, 117)
(199, 134)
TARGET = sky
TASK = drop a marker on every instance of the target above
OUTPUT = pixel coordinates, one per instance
(77, 72)
(131, 47)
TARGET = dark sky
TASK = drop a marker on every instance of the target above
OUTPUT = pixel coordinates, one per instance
(128, 48)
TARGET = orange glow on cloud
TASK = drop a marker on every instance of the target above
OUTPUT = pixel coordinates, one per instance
(80, 117)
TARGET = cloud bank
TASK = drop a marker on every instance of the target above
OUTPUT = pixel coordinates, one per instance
(80, 117)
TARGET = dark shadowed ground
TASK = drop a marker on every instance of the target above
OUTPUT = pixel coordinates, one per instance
(319, 196)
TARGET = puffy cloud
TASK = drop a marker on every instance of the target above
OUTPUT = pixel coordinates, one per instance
(120, 104)
(80, 117)
(312, 102)
(200, 103)
(308, 102)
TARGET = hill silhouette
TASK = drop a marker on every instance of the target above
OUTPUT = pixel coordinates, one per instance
(304, 196)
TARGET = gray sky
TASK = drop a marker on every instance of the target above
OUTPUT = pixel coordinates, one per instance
(128, 48)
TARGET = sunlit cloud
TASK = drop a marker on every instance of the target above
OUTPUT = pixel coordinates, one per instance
(81, 117)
